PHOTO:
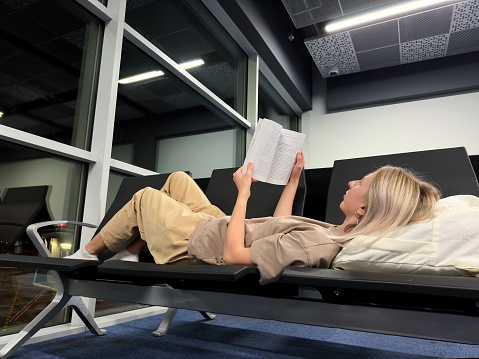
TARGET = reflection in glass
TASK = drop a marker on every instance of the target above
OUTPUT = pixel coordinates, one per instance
(47, 73)
(162, 108)
(184, 30)
(35, 187)
(272, 106)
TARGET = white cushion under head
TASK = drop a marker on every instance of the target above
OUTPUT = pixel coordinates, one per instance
(446, 245)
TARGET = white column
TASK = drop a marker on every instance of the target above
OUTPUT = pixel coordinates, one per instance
(104, 121)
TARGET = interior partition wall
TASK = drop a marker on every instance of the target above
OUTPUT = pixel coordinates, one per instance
(67, 124)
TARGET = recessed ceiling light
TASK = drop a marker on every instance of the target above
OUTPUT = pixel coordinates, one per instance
(1, 114)
(153, 74)
(381, 13)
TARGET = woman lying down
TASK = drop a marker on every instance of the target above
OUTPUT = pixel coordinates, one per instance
(178, 224)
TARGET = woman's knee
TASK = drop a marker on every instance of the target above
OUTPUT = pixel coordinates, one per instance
(177, 176)
(179, 180)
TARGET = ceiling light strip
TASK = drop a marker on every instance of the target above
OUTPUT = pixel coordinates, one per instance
(383, 12)
(141, 77)
(154, 74)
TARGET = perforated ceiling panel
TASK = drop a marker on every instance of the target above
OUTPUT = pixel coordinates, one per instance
(448, 30)
(335, 51)
(308, 12)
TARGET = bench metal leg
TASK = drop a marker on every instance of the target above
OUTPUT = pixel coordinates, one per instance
(35, 325)
(59, 302)
(165, 323)
(82, 311)
(208, 316)
(168, 319)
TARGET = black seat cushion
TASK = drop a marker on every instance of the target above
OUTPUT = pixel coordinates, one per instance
(222, 193)
(450, 169)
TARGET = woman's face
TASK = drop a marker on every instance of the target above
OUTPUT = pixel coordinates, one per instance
(354, 199)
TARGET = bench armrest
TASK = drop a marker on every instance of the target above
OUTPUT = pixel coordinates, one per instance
(32, 232)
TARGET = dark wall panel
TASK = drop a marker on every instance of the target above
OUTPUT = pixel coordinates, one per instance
(444, 76)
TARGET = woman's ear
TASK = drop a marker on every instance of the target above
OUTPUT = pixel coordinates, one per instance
(361, 211)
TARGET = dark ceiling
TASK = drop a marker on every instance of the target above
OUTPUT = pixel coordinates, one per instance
(450, 29)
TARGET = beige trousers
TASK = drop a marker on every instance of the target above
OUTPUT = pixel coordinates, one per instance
(164, 219)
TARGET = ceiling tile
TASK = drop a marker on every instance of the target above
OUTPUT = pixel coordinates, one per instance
(137, 93)
(463, 41)
(465, 16)
(352, 6)
(220, 78)
(14, 95)
(156, 19)
(307, 12)
(383, 57)
(126, 112)
(375, 36)
(426, 24)
(424, 49)
(185, 44)
(335, 50)
(181, 101)
(24, 28)
(19, 4)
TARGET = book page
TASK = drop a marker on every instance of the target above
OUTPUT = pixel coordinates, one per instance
(262, 148)
(289, 144)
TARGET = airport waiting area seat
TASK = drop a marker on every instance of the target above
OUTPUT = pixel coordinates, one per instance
(20, 207)
(424, 306)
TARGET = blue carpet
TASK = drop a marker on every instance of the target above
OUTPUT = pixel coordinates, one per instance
(190, 336)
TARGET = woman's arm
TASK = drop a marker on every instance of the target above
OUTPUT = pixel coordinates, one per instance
(285, 203)
(234, 251)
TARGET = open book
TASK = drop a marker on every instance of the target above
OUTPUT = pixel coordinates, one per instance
(273, 151)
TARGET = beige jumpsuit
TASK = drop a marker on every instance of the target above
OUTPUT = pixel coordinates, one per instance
(164, 219)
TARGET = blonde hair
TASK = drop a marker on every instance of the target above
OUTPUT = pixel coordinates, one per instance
(396, 197)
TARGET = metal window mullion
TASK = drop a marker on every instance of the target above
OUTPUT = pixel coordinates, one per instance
(26, 139)
(252, 96)
(171, 66)
(104, 119)
(97, 9)
(103, 126)
(129, 169)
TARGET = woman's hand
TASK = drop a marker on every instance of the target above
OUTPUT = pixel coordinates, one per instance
(298, 167)
(243, 181)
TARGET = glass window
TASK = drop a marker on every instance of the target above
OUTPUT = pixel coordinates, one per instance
(185, 31)
(272, 106)
(47, 69)
(200, 153)
(35, 187)
(151, 111)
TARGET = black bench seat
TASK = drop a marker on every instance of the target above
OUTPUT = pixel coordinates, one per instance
(50, 263)
(204, 272)
(463, 287)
